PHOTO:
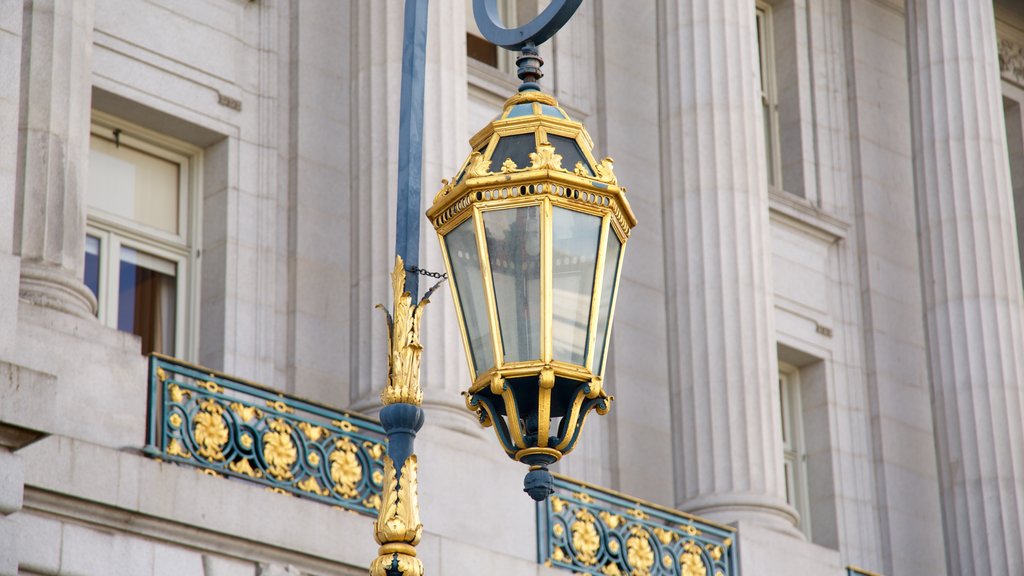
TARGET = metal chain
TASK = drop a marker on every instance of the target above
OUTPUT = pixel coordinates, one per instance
(422, 272)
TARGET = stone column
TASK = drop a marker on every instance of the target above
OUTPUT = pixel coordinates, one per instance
(10, 98)
(53, 139)
(12, 488)
(378, 30)
(970, 276)
(725, 401)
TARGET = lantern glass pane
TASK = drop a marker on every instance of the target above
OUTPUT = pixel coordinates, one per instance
(516, 147)
(513, 247)
(571, 153)
(575, 237)
(604, 309)
(469, 282)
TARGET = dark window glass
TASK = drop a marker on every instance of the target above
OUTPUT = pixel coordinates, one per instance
(147, 300)
(92, 264)
(481, 50)
(571, 153)
(517, 147)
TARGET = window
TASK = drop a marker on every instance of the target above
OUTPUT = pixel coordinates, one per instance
(794, 448)
(139, 233)
(481, 50)
(1015, 147)
(769, 98)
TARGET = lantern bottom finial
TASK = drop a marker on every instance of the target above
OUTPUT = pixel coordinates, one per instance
(539, 483)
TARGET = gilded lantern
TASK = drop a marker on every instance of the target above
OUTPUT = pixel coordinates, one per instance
(533, 231)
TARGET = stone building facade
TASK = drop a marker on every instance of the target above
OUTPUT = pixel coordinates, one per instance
(819, 336)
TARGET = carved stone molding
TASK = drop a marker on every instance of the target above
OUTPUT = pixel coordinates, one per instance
(1011, 61)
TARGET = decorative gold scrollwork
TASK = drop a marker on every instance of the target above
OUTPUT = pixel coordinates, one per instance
(606, 171)
(610, 520)
(508, 166)
(478, 166)
(545, 158)
(245, 413)
(690, 562)
(211, 432)
(177, 394)
(242, 466)
(639, 551)
(279, 450)
(176, 449)
(314, 433)
(585, 539)
(312, 486)
(346, 471)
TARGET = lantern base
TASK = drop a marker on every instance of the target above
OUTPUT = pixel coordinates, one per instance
(539, 483)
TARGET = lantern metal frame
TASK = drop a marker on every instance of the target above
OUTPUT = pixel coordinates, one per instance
(589, 188)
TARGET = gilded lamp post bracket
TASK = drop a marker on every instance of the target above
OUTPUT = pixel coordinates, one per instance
(404, 346)
(398, 527)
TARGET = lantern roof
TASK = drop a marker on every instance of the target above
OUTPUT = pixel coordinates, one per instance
(533, 141)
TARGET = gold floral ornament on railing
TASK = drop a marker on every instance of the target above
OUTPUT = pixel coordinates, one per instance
(230, 428)
(591, 530)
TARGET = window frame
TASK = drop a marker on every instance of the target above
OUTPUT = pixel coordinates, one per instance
(506, 59)
(794, 446)
(764, 35)
(182, 249)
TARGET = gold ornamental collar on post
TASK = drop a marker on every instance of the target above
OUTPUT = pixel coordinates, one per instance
(404, 346)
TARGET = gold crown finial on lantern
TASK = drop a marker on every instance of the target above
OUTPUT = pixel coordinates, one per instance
(534, 252)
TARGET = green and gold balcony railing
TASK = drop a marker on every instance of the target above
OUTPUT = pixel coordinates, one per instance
(233, 428)
(591, 530)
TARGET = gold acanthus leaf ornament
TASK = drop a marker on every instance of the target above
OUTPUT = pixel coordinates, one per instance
(690, 562)
(545, 158)
(346, 471)
(446, 188)
(639, 551)
(279, 450)
(211, 432)
(585, 538)
(404, 347)
(606, 172)
(478, 166)
(398, 528)
(508, 166)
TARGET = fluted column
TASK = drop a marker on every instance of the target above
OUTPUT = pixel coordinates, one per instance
(378, 27)
(53, 137)
(725, 403)
(970, 275)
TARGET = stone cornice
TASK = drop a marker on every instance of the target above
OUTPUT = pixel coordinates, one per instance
(1011, 61)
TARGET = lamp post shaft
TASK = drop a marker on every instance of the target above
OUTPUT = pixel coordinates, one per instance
(410, 140)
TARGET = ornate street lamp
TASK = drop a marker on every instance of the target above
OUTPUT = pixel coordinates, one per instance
(533, 230)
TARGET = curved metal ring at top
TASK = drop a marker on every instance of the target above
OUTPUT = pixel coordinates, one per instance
(537, 31)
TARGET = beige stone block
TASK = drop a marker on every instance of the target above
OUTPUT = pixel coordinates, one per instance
(38, 542)
(220, 566)
(9, 549)
(12, 482)
(766, 552)
(176, 561)
(85, 551)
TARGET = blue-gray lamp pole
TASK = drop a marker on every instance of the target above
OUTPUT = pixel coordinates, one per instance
(398, 529)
